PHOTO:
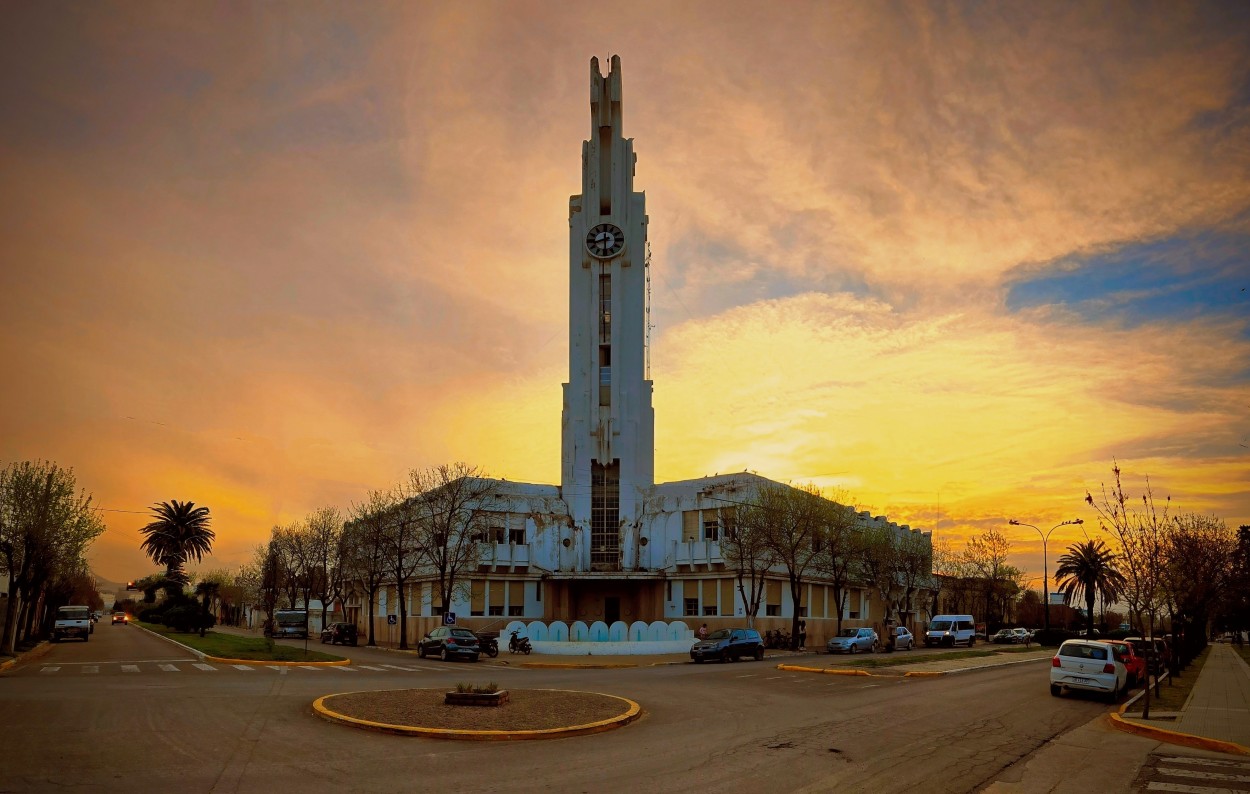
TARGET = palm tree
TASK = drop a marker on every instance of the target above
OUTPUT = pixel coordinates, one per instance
(178, 533)
(1088, 569)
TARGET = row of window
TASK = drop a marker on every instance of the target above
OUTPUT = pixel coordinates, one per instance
(717, 598)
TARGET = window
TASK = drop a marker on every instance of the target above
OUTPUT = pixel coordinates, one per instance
(772, 610)
(516, 536)
(803, 612)
(516, 610)
(495, 534)
(709, 611)
(711, 529)
(538, 590)
(692, 607)
(496, 610)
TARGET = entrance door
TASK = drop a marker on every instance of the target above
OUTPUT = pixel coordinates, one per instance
(611, 609)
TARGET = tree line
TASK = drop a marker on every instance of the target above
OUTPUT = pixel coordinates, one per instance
(46, 525)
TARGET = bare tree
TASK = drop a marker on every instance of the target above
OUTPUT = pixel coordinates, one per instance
(1141, 535)
(985, 558)
(323, 531)
(840, 552)
(1199, 549)
(746, 551)
(793, 519)
(881, 561)
(915, 568)
(365, 541)
(445, 503)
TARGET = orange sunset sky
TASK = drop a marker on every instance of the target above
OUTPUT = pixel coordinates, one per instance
(949, 259)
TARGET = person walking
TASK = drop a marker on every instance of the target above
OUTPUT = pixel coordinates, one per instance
(703, 632)
(802, 635)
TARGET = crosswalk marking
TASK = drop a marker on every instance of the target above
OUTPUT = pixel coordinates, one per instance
(1180, 759)
(169, 668)
(1155, 785)
(130, 668)
(308, 667)
(49, 669)
(91, 668)
(186, 665)
(371, 667)
(346, 669)
(1198, 775)
(240, 667)
(207, 667)
(397, 667)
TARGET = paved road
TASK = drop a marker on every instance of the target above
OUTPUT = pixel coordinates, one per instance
(737, 727)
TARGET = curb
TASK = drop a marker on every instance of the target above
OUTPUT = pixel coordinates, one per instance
(632, 713)
(912, 674)
(1176, 737)
(34, 653)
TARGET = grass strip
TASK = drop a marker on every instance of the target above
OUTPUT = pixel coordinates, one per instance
(232, 646)
(896, 661)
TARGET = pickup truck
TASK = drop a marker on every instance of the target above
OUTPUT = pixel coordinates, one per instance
(72, 621)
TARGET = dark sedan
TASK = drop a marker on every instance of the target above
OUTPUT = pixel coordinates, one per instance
(450, 642)
(729, 645)
(339, 634)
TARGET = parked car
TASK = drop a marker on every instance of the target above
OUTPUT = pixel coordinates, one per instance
(339, 634)
(449, 642)
(120, 617)
(1155, 662)
(1022, 635)
(903, 639)
(72, 621)
(729, 645)
(951, 630)
(1003, 636)
(1133, 662)
(854, 641)
(1088, 666)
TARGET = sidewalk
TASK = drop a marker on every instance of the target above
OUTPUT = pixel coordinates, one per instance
(1218, 706)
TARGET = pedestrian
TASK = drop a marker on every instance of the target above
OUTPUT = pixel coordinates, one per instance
(802, 635)
(703, 632)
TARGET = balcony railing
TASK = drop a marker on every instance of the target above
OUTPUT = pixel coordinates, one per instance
(696, 552)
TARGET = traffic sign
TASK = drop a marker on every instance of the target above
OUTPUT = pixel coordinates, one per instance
(449, 618)
(391, 620)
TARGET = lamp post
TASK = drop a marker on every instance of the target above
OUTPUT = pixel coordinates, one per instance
(1045, 574)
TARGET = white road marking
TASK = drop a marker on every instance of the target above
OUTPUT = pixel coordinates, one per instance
(773, 678)
(1193, 774)
(1155, 785)
(397, 667)
(240, 667)
(49, 669)
(91, 668)
(346, 669)
(308, 667)
(748, 675)
(169, 668)
(207, 667)
(370, 667)
(1181, 759)
(130, 668)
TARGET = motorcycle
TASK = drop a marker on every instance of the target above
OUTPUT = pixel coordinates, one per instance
(518, 644)
(490, 646)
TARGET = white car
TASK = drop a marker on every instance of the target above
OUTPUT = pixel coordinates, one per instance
(903, 640)
(1022, 635)
(1088, 666)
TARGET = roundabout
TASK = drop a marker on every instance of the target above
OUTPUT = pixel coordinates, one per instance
(529, 714)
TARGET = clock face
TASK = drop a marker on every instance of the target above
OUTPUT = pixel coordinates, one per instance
(605, 240)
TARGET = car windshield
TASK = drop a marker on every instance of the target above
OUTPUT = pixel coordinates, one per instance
(1083, 651)
(940, 625)
(849, 633)
(719, 634)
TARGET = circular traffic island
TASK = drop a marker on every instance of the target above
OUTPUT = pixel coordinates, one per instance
(527, 714)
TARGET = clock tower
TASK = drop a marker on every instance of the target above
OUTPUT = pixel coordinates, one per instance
(608, 424)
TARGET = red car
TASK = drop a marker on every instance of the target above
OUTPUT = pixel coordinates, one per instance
(1136, 665)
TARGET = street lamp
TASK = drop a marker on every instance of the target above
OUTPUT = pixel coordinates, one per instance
(1045, 574)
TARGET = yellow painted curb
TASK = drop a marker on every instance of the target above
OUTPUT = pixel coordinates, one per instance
(794, 668)
(569, 666)
(29, 656)
(1176, 737)
(923, 673)
(269, 663)
(632, 713)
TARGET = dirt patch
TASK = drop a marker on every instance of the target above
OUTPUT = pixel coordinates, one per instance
(528, 710)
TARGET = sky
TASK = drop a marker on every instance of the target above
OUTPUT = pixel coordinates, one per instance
(949, 260)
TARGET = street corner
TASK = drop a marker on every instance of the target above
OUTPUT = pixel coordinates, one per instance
(1139, 727)
(25, 656)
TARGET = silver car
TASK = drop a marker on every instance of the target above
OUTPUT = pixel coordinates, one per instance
(903, 639)
(854, 641)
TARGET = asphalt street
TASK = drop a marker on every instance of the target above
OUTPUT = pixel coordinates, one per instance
(130, 712)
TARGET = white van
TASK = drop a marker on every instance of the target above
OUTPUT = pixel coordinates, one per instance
(951, 630)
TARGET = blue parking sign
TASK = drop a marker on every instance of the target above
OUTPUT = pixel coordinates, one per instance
(449, 618)
(390, 620)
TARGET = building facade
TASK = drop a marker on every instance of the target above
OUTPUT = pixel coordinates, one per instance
(608, 543)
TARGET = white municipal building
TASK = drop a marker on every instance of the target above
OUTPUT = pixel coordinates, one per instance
(608, 544)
